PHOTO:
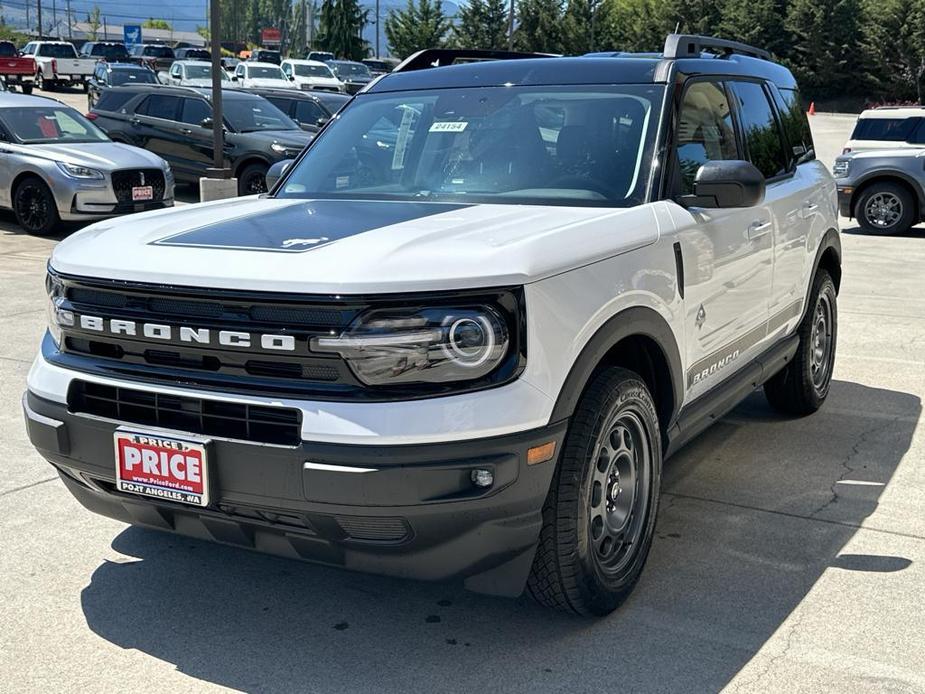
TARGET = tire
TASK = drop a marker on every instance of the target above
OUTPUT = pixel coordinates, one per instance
(39, 81)
(35, 207)
(580, 566)
(803, 385)
(86, 87)
(253, 179)
(26, 88)
(885, 208)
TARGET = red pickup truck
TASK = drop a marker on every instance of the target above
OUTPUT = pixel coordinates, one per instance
(16, 70)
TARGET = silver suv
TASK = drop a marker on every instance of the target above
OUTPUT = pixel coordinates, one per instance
(883, 189)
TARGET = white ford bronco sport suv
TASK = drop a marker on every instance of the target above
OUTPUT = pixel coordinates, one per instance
(463, 331)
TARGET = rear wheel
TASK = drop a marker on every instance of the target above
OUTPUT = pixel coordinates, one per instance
(599, 516)
(802, 387)
(252, 180)
(35, 207)
(26, 88)
(885, 208)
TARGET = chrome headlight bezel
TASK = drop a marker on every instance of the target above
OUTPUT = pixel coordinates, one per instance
(58, 316)
(433, 347)
(841, 167)
(79, 172)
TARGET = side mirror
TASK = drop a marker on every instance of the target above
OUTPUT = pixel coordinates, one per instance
(321, 122)
(292, 78)
(276, 172)
(726, 184)
(234, 78)
(206, 123)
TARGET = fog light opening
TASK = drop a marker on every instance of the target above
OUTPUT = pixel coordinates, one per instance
(542, 453)
(482, 478)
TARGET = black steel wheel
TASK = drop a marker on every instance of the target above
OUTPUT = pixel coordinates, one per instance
(253, 180)
(599, 515)
(803, 385)
(35, 207)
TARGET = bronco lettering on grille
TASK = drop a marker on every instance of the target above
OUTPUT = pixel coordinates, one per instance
(199, 336)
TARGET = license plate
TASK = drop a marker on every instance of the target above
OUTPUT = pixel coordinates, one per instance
(162, 467)
(142, 193)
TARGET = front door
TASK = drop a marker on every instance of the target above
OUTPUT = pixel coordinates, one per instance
(727, 253)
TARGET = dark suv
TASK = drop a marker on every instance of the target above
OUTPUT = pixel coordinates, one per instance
(153, 55)
(105, 50)
(262, 55)
(304, 108)
(176, 123)
(116, 75)
(189, 53)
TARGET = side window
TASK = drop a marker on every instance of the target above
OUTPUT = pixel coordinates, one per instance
(195, 111)
(796, 125)
(159, 106)
(760, 130)
(287, 68)
(29, 49)
(308, 112)
(175, 71)
(705, 131)
(239, 71)
(918, 136)
(281, 104)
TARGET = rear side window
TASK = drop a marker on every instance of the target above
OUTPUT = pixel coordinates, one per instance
(159, 106)
(113, 100)
(760, 130)
(195, 111)
(885, 129)
(796, 125)
(308, 112)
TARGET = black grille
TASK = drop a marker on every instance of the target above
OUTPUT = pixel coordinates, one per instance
(258, 423)
(124, 181)
(374, 528)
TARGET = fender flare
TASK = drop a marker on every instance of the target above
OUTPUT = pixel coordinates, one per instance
(635, 321)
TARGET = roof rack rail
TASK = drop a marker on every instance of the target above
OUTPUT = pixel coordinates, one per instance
(691, 46)
(441, 57)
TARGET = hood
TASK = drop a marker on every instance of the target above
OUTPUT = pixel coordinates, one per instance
(904, 152)
(316, 80)
(352, 247)
(290, 138)
(269, 82)
(96, 155)
(202, 82)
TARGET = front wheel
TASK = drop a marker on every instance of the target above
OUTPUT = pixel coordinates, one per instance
(885, 208)
(803, 385)
(35, 208)
(599, 515)
(252, 180)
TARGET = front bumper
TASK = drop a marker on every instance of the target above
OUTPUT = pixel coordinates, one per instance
(408, 510)
(87, 200)
(845, 194)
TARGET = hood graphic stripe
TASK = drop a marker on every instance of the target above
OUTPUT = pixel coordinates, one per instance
(304, 227)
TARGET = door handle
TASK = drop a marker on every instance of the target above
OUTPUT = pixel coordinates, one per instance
(809, 209)
(186, 131)
(135, 121)
(758, 229)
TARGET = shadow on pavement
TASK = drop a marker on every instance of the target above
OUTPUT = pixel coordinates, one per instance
(753, 513)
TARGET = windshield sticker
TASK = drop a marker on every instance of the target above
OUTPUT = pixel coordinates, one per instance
(456, 126)
(401, 141)
(304, 226)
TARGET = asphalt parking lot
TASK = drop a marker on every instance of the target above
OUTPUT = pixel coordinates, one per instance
(790, 554)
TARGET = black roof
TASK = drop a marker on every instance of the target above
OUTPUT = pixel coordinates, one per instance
(289, 93)
(683, 56)
(227, 93)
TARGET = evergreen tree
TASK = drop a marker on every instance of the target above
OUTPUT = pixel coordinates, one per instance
(690, 16)
(825, 54)
(422, 24)
(577, 27)
(340, 29)
(482, 24)
(539, 26)
(894, 45)
(634, 25)
(756, 22)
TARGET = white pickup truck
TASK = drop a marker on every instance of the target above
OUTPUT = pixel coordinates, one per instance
(57, 65)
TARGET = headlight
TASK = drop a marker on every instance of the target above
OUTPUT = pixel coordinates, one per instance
(80, 172)
(58, 317)
(435, 345)
(283, 149)
(840, 168)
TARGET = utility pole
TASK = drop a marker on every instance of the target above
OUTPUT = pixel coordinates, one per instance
(70, 34)
(38, 10)
(510, 29)
(216, 184)
(54, 17)
(377, 28)
(105, 29)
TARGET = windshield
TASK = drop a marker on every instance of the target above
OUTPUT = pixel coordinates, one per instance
(120, 77)
(111, 51)
(351, 69)
(204, 72)
(46, 124)
(159, 51)
(252, 115)
(531, 145)
(198, 54)
(57, 50)
(263, 73)
(313, 71)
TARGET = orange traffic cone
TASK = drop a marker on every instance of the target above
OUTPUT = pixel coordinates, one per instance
(812, 108)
